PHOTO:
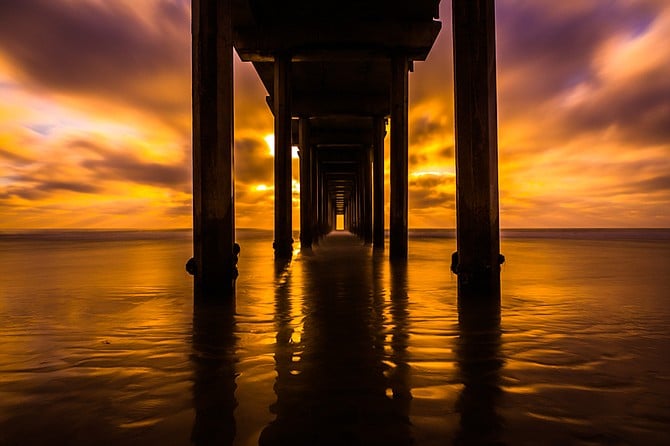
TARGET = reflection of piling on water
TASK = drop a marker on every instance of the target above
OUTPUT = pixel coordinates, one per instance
(479, 363)
(399, 379)
(213, 360)
(286, 349)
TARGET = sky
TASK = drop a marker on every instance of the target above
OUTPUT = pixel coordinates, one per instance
(95, 117)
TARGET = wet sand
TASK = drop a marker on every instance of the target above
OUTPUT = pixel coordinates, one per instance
(101, 344)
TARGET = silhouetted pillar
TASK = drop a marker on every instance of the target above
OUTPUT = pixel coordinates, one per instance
(378, 179)
(359, 205)
(283, 243)
(399, 155)
(214, 261)
(326, 204)
(316, 194)
(329, 210)
(367, 195)
(305, 186)
(319, 196)
(359, 201)
(478, 234)
(346, 217)
(323, 208)
(353, 208)
(314, 219)
(333, 213)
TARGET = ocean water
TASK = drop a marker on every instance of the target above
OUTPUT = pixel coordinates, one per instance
(100, 343)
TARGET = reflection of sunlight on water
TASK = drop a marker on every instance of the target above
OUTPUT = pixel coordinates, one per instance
(93, 339)
(102, 341)
(580, 321)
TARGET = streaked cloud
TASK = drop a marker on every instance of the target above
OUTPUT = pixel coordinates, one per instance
(95, 118)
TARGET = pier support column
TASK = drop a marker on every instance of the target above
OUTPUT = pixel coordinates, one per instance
(358, 201)
(329, 213)
(306, 222)
(319, 197)
(477, 261)
(324, 205)
(323, 202)
(367, 195)
(215, 252)
(378, 180)
(314, 218)
(333, 214)
(283, 243)
(399, 155)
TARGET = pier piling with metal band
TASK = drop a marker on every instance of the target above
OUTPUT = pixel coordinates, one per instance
(478, 258)
(214, 250)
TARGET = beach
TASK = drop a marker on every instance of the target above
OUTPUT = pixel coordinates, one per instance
(101, 342)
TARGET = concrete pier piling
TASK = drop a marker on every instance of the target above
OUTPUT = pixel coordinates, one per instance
(477, 223)
(214, 260)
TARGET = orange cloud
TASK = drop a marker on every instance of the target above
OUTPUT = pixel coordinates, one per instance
(95, 118)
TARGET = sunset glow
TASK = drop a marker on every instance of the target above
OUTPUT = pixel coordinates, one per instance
(95, 118)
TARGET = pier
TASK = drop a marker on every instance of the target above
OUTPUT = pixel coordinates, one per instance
(336, 74)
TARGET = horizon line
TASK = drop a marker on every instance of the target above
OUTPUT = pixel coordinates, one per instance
(534, 228)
